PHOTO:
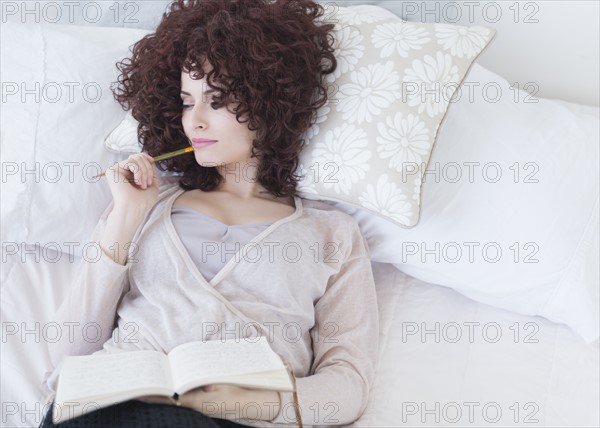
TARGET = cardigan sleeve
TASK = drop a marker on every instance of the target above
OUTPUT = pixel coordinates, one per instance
(345, 347)
(87, 315)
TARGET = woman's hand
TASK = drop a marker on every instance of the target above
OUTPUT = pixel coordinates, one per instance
(227, 402)
(134, 182)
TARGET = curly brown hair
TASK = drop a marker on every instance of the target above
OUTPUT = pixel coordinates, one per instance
(269, 56)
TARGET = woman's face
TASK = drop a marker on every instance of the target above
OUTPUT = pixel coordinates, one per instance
(201, 120)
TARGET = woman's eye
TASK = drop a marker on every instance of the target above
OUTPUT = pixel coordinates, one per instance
(215, 105)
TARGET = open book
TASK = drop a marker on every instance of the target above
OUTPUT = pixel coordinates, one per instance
(90, 382)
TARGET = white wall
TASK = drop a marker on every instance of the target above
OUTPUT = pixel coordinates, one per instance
(558, 53)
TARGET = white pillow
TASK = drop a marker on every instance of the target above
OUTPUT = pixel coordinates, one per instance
(547, 231)
(389, 95)
(57, 110)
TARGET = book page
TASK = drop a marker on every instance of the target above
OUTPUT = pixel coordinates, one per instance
(198, 361)
(110, 374)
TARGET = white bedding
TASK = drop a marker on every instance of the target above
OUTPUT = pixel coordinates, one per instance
(544, 377)
(553, 381)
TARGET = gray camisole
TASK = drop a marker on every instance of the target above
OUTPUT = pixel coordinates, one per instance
(209, 242)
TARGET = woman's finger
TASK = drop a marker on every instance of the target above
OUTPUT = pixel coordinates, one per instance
(151, 168)
(137, 166)
(145, 170)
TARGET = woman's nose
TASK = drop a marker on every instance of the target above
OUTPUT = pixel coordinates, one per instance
(198, 118)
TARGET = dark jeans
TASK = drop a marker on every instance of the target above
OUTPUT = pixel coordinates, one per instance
(138, 414)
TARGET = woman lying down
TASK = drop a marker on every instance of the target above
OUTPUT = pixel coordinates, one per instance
(240, 81)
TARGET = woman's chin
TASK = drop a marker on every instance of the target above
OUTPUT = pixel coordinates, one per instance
(207, 163)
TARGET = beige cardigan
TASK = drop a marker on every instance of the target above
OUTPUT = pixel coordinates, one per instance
(305, 283)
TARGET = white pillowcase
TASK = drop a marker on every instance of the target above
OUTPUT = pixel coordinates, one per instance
(546, 231)
(57, 110)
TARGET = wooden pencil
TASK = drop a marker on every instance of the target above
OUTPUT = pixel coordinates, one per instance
(163, 157)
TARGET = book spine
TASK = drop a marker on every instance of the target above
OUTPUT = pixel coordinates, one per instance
(290, 371)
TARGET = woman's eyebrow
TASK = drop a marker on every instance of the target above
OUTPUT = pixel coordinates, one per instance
(209, 91)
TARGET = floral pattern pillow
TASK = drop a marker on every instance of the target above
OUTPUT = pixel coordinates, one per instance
(369, 146)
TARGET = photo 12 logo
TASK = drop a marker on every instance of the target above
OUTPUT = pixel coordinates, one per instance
(52, 92)
(471, 412)
(469, 12)
(70, 12)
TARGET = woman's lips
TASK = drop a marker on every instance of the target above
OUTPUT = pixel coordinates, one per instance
(202, 142)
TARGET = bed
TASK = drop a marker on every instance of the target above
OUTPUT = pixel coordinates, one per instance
(462, 343)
